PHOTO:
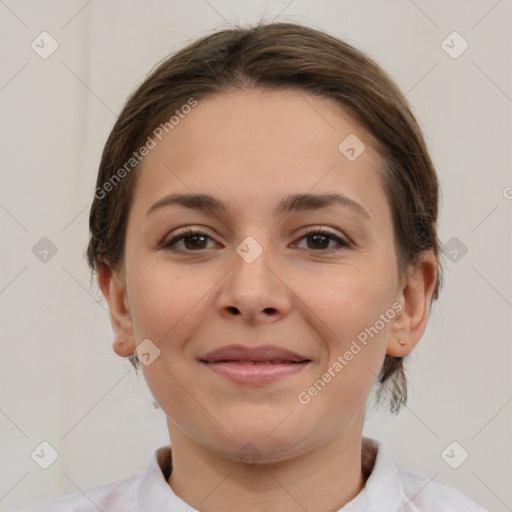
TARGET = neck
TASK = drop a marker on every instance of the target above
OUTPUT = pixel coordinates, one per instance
(325, 478)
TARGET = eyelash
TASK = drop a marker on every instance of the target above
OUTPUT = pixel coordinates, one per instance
(170, 244)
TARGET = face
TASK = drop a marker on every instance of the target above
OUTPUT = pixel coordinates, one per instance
(254, 273)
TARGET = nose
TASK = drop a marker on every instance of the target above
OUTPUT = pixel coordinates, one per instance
(255, 291)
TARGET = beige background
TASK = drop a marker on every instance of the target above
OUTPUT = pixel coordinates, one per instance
(61, 381)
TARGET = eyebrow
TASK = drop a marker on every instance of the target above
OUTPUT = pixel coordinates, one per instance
(294, 202)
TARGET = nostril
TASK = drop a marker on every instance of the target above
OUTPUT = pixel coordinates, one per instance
(270, 310)
(232, 309)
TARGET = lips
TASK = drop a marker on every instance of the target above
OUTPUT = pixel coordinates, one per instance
(268, 354)
(254, 366)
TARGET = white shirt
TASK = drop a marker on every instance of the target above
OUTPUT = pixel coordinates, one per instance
(386, 490)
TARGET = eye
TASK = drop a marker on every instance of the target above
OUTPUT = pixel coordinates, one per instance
(193, 241)
(319, 239)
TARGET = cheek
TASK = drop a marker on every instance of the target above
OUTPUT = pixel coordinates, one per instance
(347, 299)
(166, 299)
(168, 304)
(355, 344)
(350, 309)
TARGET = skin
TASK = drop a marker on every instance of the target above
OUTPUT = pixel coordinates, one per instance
(252, 148)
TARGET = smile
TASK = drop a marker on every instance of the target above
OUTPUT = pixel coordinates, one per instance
(255, 372)
(254, 365)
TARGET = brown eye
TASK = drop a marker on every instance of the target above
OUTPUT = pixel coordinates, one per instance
(318, 240)
(192, 241)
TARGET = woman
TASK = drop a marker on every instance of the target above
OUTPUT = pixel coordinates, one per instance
(264, 232)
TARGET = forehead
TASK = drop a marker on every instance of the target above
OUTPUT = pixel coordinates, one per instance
(253, 145)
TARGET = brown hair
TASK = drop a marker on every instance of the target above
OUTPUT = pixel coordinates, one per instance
(276, 56)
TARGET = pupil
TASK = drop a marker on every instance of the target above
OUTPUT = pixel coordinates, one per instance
(320, 238)
(195, 244)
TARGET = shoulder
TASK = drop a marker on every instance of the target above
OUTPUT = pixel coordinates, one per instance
(424, 494)
(390, 489)
(145, 490)
(116, 495)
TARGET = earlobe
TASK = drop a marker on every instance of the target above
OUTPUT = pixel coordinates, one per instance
(415, 296)
(113, 288)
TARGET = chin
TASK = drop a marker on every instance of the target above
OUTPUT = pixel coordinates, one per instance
(263, 442)
(261, 451)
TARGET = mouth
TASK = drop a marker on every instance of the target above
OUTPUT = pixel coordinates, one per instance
(254, 366)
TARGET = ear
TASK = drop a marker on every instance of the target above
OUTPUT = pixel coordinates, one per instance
(414, 294)
(113, 287)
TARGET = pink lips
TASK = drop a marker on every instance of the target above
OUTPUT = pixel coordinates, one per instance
(260, 365)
